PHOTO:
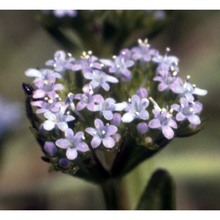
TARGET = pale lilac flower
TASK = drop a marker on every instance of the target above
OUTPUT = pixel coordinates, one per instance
(87, 99)
(50, 148)
(72, 143)
(47, 104)
(61, 61)
(58, 119)
(100, 79)
(120, 65)
(87, 64)
(46, 88)
(166, 63)
(163, 120)
(102, 134)
(188, 111)
(143, 51)
(188, 90)
(42, 74)
(168, 81)
(136, 109)
(107, 106)
(142, 128)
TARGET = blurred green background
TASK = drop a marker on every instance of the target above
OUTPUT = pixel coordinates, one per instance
(194, 162)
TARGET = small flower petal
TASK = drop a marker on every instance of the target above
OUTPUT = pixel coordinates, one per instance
(168, 132)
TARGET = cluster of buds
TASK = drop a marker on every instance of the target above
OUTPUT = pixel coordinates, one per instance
(97, 118)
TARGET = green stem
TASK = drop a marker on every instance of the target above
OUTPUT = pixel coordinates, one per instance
(111, 192)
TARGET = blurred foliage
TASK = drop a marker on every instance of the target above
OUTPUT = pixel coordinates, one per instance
(194, 162)
(103, 32)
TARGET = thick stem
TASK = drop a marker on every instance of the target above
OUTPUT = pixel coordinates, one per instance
(111, 192)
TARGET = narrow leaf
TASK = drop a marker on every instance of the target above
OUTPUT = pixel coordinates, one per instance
(159, 194)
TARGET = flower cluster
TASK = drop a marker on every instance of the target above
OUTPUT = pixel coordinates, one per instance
(92, 104)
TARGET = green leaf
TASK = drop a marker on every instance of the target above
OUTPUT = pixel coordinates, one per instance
(159, 194)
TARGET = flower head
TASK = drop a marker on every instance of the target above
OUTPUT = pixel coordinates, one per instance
(67, 97)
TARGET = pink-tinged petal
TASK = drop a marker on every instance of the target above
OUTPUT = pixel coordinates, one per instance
(116, 120)
(78, 136)
(39, 93)
(106, 62)
(197, 107)
(105, 86)
(108, 142)
(96, 141)
(58, 87)
(62, 143)
(111, 130)
(175, 107)
(50, 116)
(144, 115)
(62, 126)
(80, 106)
(168, 132)
(88, 75)
(184, 101)
(194, 119)
(172, 123)
(98, 98)
(91, 107)
(37, 103)
(158, 78)
(39, 83)
(162, 86)
(69, 133)
(52, 94)
(108, 115)
(180, 116)
(76, 67)
(69, 118)
(71, 153)
(135, 99)
(98, 123)
(82, 147)
(111, 79)
(136, 56)
(154, 123)
(48, 125)
(91, 131)
(127, 117)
